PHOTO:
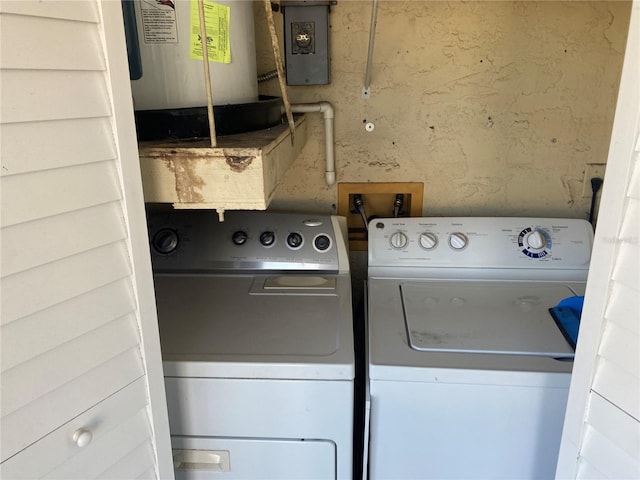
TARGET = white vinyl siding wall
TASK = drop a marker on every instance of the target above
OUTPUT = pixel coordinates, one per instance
(71, 318)
(601, 436)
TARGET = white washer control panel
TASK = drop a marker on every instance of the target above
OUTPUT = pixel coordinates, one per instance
(478, 242)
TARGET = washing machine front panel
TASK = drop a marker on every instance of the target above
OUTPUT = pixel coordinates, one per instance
(434, 430)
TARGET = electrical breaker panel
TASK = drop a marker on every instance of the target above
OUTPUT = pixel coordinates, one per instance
(306, 38)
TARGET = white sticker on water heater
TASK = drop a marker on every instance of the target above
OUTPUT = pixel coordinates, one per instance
(159, 25)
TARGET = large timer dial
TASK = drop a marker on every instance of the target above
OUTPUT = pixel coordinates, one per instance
(534, 242)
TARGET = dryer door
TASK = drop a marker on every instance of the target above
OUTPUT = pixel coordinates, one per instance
(208, 458)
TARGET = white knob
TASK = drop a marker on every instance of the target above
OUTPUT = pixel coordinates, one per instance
(428, 240)
(458, 240)
(82, 437)
(399, 240)
(536, 240)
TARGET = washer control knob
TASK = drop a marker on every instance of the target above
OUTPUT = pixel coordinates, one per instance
(239, 237)
(428, 240)
(267, 238)
(165, 241)
(537, 240)
(458, 240)
(82, 437)
(294, 240)
(398, 240)
(322, 242)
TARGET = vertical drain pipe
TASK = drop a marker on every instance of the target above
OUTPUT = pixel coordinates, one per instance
(327, 110)
(372, 34)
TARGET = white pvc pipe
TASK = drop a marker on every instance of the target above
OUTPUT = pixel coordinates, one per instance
(326, 109)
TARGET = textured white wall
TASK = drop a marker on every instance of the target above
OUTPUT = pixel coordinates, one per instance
(495, 106)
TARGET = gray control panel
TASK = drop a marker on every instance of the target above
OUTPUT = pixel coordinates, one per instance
(480, 242)
(196, 241)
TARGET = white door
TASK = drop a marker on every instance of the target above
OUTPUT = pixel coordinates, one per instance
(81, 372)
(601, 437)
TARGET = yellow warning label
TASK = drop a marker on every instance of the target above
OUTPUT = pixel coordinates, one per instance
(216, 18)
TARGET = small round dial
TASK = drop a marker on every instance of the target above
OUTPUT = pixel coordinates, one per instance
(458, 240)
(267, 238)
(239, 237)
(398, 240)
(322, 242)
(165, 241)
(428, 240)
(294, 240)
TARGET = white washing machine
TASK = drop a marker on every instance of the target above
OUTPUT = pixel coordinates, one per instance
(468, 372)
(257, 343)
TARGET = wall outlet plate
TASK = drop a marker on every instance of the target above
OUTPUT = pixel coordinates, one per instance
(592, 170)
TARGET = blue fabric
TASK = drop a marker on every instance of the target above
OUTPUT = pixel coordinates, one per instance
(574, 303)
(567, 316)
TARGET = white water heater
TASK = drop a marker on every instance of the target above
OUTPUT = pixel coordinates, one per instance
(168, 32)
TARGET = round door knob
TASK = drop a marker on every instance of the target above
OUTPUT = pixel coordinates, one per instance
(399, 240)
(82, 437)
(428, 240)
(537, 240)
(458, 240)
